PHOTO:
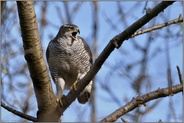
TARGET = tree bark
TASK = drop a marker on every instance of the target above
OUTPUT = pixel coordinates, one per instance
(47, 104)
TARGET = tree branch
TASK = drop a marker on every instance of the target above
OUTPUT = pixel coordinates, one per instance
(141, 100)
(47, 104)
(156, 27)
(114, 43)
(18, 113)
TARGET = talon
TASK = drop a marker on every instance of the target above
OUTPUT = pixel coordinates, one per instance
(74, 86)
(60, 101)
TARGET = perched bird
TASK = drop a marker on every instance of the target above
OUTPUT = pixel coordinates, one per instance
(69, 59)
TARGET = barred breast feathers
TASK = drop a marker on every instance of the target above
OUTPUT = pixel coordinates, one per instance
(79, 54)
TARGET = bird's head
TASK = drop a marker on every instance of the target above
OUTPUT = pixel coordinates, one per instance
(69, 31)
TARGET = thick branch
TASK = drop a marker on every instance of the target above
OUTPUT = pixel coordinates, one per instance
(141, 100)
(114, 43)
(46, 100)
(18, 113)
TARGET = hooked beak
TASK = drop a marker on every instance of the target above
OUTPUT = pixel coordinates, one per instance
(74, 34)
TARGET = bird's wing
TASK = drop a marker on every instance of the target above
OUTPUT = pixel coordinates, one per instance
(47, 52)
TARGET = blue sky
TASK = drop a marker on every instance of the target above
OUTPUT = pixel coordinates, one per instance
(121, 86)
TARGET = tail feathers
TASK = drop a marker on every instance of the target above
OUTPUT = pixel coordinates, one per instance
(85, 94)
(83, 97)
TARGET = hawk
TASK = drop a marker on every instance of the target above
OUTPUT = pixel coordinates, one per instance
(69, 59)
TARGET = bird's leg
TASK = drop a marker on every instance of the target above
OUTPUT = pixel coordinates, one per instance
(74, 86)
(59, 100)
(79, 77)
(60, 87)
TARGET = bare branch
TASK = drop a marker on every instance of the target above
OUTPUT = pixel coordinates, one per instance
(141, 100)
(179, 74)
(124, 121)
(156, 27)
(18, 113)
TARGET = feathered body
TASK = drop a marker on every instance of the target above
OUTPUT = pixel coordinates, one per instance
(69, 58)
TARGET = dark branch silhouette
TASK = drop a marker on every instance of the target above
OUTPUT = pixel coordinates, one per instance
(18, 113)
(179, 74)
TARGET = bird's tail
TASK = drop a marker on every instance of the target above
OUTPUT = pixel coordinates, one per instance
(85, 94)
(84, 97)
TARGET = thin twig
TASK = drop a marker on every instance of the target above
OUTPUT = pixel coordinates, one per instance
(124, 121)
(160, 121)
(156, 27)
(18, 113)
(179, 74)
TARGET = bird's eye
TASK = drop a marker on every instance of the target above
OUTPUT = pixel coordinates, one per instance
(69, 29)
